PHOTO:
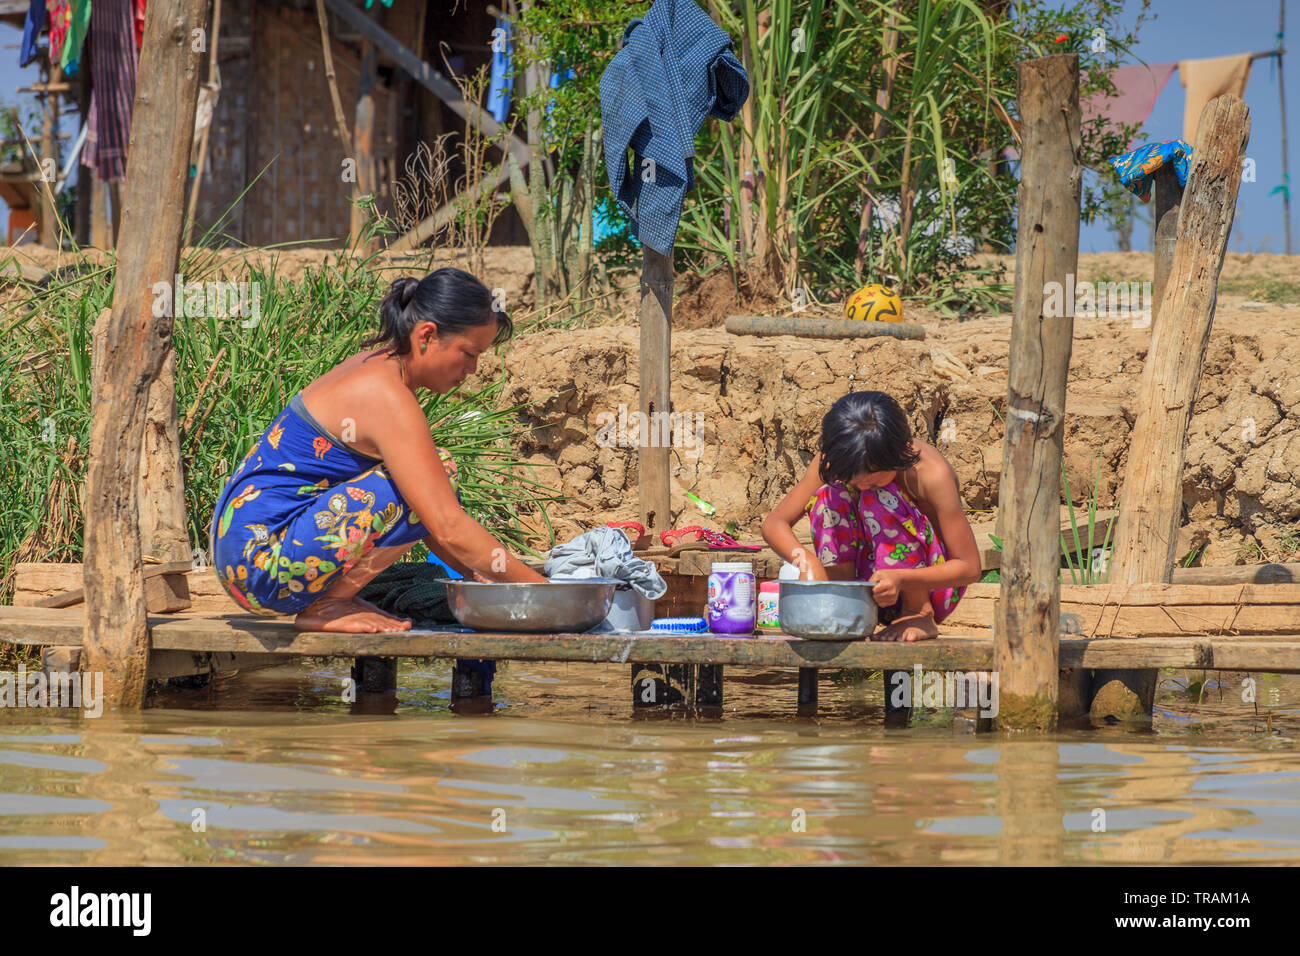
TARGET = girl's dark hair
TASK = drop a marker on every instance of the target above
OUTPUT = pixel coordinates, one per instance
(451, 299)
(864, 431)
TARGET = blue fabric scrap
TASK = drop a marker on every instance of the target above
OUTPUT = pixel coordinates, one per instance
(1137, 168)
(501, 84)
(37, 22)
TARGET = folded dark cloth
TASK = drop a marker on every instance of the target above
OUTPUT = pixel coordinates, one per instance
(411, 589)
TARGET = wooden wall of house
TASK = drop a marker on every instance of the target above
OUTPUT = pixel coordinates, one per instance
(275, 111)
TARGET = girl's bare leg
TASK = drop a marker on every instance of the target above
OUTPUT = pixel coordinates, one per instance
(915, 621)
(339, 609)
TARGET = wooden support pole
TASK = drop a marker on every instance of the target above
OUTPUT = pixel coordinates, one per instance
(375, 675)
(1281, 94)
(85, 177)
(1168, 194)
(49, 220)
(898, 698)
(807, 692)
(202, 158)
(375, 682)
(695, 687)
(653, 473)
(136, 345)
(363, 141)
(101, 232)
(1151, 498)
(472, 678)
(1027, 618)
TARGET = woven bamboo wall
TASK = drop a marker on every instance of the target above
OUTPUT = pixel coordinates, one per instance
(275, 109)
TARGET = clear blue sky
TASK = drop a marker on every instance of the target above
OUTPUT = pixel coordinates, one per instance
(1181, 29)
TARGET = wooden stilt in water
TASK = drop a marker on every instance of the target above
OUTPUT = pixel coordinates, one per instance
(807, 692)
(1151, 498)
(375, 675)
(472, 679)
(694, 687)
(375, 681)
(136, 345)
(1073, 698)
(898, 698)
(1026, 624)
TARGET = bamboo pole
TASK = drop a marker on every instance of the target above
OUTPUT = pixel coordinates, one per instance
(203, 137)
(47, 210)
(363, 123)
(1027, 620)
(1281, 94)
(136, 346)
(1151, 499)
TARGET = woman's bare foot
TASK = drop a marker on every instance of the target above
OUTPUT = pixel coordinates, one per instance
(348, 616)
(910, 628)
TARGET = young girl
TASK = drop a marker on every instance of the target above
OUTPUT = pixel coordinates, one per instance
(308, 519)
(884, 507)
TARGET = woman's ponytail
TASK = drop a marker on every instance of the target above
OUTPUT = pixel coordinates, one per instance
(451, 299)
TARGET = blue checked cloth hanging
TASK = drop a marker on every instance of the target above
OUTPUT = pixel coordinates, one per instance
(1137, 169)
(674, 69)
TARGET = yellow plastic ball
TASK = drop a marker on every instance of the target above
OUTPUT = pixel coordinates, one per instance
(874, 303)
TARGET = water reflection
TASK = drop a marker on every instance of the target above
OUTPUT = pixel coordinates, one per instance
(273, 767)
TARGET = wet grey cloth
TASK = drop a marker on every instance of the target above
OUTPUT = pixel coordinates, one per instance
(604, 553)
(675, 68)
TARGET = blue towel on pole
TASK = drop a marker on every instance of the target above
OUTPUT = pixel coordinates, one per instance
(1137, 168)
(674, 69)
(501, 85)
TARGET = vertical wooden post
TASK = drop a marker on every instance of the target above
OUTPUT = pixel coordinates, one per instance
(1151, 499)
(898, 705)
(695, 687)
(656, 345)
(1168, 194)
(85, 176)
(101, 235)
(116, 199)
(363, 131)
(1281, 93)
(1027, 618)
(136, 344)
(202, 157)
(807, 706)
(46, 210)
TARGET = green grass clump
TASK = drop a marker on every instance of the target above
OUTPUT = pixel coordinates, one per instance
(1261, 289)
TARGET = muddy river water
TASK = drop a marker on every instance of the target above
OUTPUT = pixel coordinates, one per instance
(273, 767)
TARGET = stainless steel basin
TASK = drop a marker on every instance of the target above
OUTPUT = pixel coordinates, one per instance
(558, 606)
(827, 610)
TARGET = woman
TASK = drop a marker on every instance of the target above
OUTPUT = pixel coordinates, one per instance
(308, 519)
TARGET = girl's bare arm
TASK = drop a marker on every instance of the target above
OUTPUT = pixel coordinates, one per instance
(778, 527)
(963, 556)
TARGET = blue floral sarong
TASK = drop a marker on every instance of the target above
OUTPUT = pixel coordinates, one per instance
(299, 511)
(1137, 169)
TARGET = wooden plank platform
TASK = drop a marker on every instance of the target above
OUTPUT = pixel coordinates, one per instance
(1151, 610)
(249, 635)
